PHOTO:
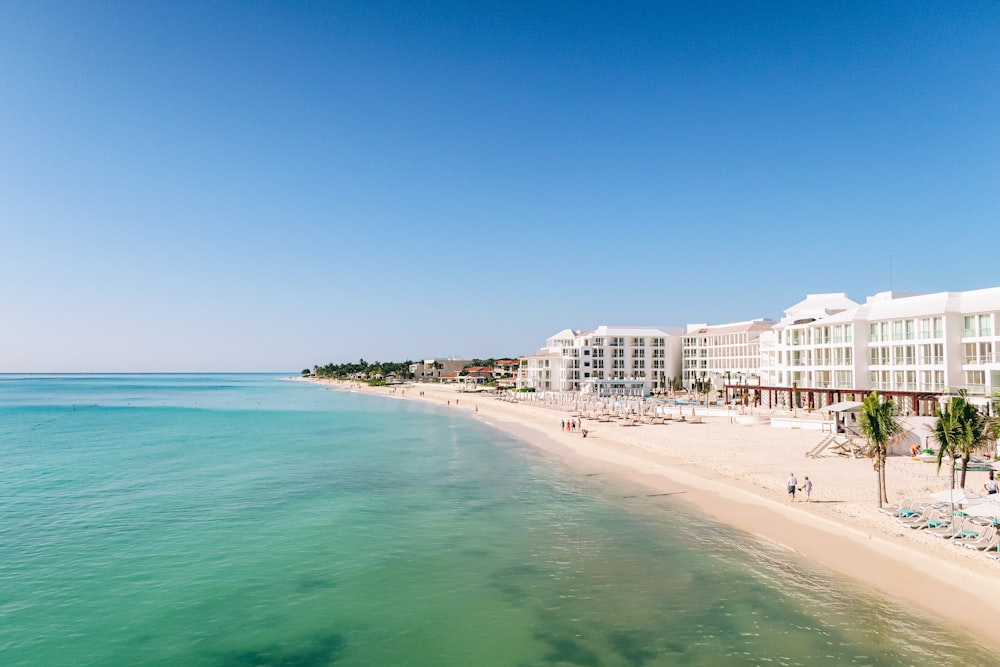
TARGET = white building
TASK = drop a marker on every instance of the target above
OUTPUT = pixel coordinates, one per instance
(723, 353)
(605, 361)
(913, 347)
(431, 369)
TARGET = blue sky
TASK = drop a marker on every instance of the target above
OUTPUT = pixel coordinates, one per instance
(267, 186)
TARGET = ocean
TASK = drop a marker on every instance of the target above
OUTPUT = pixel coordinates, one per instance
(236, 520)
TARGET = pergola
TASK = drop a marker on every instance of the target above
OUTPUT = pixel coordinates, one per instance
(922, 403)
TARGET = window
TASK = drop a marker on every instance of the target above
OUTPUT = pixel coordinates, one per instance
(984, 325)
(970, 325)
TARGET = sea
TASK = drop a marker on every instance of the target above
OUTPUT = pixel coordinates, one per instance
(245, 520)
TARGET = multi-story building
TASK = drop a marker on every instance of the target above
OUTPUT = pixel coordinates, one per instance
(723, 352)
(913, 347)
(605, 361)
(431, 369)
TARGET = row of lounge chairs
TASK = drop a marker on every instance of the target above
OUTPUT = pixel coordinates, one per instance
(937, 519)
(635, 421)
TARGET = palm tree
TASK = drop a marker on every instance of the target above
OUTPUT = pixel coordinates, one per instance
(961, 430)
(879, 423)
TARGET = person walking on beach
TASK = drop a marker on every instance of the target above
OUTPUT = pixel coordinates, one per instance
(990, 485)
(807, 486)
(792, 483)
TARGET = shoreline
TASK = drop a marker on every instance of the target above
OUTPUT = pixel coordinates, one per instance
(736, 473)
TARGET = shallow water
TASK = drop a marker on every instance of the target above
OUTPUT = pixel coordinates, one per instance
(245, 520)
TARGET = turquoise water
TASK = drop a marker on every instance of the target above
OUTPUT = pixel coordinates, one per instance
(246, 520)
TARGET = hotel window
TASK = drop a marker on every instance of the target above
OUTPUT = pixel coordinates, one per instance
(638, 363)
(970, 325)
(598, 342)
(908, 327)
(938, 323)
(599, 352)
(984, 325)
(975, 381)
(873, 333)
(618, 353)
(617, 342)
(638, 353)
(925, 328)
(970, 353)
(986, 353)
(873, 358)
(897, 330)
(638, 342)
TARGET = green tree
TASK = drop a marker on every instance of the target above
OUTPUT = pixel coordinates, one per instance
(961, 430)
(879, 423)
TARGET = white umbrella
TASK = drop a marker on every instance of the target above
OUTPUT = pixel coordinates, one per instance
(957, 496)
(990, 508)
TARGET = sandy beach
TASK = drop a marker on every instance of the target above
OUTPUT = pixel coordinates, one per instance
(738, 473)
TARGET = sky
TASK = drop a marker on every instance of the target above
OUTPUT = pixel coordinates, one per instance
(268, 186)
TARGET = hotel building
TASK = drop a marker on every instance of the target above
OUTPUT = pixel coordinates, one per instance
(605, 361)
(911, 347)
(723, 352)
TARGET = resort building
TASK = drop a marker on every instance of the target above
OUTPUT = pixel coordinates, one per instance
(723, 352)
(633, 361)
(432, 369)
(914, 348)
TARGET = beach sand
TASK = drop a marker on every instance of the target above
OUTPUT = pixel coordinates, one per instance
(737, 473)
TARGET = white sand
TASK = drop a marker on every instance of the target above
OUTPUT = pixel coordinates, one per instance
(738, 474)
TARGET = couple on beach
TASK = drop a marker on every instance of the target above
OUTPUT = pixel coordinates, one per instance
(793, 483)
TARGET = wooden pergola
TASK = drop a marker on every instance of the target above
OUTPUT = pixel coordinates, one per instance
(921, 403)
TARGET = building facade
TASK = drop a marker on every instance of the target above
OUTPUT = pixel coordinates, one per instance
(913, 347)
(723, 352)
(605, 361)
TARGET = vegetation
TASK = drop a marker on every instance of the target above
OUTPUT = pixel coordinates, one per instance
(961, 430)
(377, 370)
(362, 368)
(879, 423)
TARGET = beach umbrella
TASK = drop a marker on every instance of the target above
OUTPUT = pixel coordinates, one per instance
(987, 508)
(958, 497)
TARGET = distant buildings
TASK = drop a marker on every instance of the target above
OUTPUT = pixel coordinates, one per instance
(827, 348)
(605, 361)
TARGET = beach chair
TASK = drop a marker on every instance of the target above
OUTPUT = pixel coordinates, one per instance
(907, 517)
(948, 529)
(923, 519)
(895, 507)
(695, 420)
(986, 539)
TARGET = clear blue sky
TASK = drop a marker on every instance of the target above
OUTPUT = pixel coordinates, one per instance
(271, 185)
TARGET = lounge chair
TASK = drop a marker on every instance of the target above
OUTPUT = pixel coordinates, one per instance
(924, 519)
(895, 507)
(948, 529)
(696, 419)
(919, 517)
(987, 538)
